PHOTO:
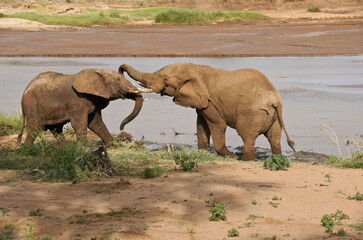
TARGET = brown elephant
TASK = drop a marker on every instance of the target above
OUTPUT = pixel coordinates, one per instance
(52, 99)
(243, 99)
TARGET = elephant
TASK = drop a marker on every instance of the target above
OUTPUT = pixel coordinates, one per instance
(242, 99)
(52, 99)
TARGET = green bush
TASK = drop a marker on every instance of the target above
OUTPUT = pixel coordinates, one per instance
(329, 220)
(233, 233)
(217, 211)
(357, 197)
(276, 162)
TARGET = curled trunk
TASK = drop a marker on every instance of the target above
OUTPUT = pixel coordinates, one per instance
(137, 108)
(144, 79)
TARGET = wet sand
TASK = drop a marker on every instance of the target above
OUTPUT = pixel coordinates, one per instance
(221, 40)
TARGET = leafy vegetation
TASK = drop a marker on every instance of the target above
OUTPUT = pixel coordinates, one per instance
(10, 123)
(276, 162)
(35, 213)
(358, 197)
(330, 220)
(217, 211)
(233, 233)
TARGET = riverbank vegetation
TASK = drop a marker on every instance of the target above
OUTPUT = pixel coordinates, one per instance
(117, 17)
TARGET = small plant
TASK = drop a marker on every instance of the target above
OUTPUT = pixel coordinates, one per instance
(152, 172)
(329, 220)
(186, 160)
(4, 211)
(191, 230)
(68, 1)
(357, 197)
(233, 233)
(35, 213)
(276, 198)
(254, 202)
(218, 212)
(313, 8)
(274, 204)
(328, 177)
(277, 162)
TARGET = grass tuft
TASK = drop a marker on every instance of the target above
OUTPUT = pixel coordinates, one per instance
(10, 123)
(8, 231)
(201, 17)
(313, 8)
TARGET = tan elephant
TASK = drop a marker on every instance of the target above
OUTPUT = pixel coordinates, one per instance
(243, 99)
(52, 99)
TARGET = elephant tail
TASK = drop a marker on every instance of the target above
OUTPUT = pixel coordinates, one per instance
(281, 121)
(18, 141)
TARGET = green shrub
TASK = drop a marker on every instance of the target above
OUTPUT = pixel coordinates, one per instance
(276, 162)
(35, 213)
(217, 211)
(358, 197)
(10, 123)
(313, 8)
(329, 220)
(233, 233)
(186, 159)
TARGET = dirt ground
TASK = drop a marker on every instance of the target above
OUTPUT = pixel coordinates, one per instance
(173, 206)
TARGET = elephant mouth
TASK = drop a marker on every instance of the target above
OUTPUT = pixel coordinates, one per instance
(162, 93)
(120, 94)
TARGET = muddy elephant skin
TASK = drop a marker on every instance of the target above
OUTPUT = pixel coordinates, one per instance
(52, 99)
(243, 99)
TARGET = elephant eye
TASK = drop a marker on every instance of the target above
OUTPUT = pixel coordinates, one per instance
(118, 79)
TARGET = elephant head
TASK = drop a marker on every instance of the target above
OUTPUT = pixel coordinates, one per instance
(109, 85)
(182, 81)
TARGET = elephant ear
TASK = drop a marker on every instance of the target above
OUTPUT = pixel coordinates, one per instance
(192, 93)
(91, 82)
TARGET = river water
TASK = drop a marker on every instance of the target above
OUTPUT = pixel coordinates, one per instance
(314, 90)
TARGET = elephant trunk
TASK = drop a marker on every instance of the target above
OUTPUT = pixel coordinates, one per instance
(144, 79)
(137, 108)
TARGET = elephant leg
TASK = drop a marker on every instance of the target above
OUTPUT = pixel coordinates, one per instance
(203, 133)
(217, 127)
(97, 125)
(31, 136)
(249, 127)
(273, 135)
(79, 122)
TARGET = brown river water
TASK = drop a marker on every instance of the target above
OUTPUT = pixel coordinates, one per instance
(315, 91)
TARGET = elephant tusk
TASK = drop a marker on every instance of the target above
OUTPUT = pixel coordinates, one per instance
(146, 90)
(141, 91)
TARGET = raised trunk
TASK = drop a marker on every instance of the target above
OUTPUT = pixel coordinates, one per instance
(144, 79)
(137, 108)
